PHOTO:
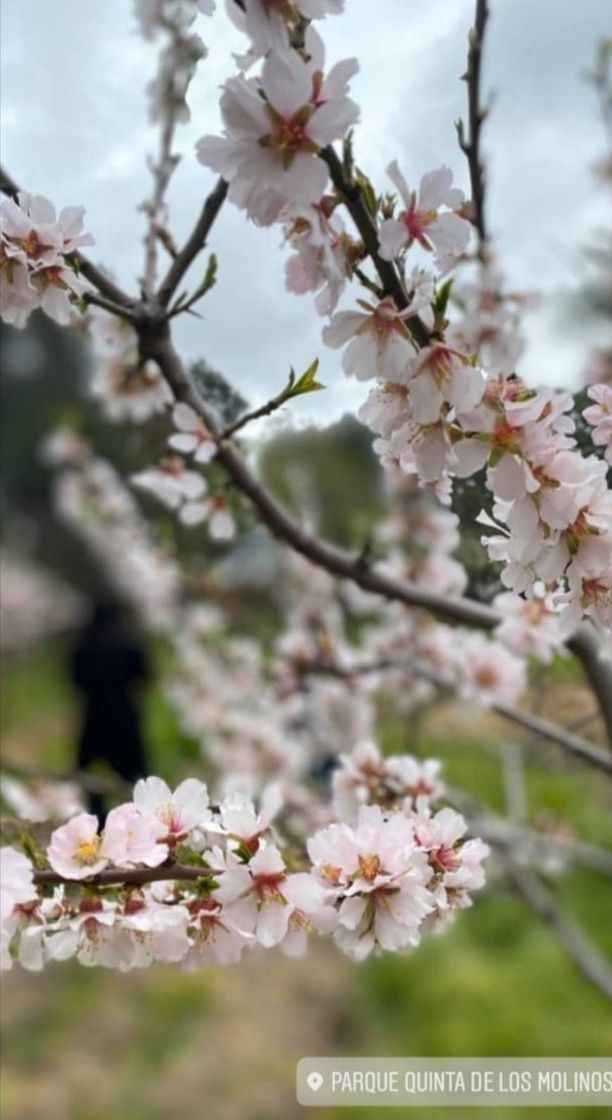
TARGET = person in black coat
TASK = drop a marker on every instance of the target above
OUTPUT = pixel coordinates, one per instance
(110, 668)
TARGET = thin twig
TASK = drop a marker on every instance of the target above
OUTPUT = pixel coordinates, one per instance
(194, 244)
(257, 414)
(578, 747)
(470, 145)
(162, 173)
(108, 305)
(118, 876)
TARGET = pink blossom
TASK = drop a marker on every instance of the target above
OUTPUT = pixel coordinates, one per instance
(323, 256)
(488, 673)
(75, 851)
(379, 341)
(192, 437)
(599, 416)
(16, 885)
(34, 260)
(214, 939)
(444, 233)
(254, 895)
(274, 129)
(378, 877)
(171, 483)
(217, 514)
(180, 812)
(442, 375)
(133, 836)
(365, 777)
(537, 626)
(456, 863)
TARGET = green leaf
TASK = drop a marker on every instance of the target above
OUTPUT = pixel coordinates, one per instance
(307, 383)
(441, 299)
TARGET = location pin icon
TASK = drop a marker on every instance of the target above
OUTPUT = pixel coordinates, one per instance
(314, 1080)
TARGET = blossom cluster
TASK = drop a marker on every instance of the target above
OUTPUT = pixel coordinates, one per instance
(446, 401)
(170, 878)
(182, 489)
(90, 496)
(35, 266)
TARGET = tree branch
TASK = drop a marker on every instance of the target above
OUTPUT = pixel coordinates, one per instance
(470, 146)
(574, 744)
(162, 173)
(194, 244)
(132, 877)
(109, 305)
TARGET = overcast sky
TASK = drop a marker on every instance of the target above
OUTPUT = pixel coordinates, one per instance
(75, 128)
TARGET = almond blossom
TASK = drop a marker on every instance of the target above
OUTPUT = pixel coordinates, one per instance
(180, 812)
(365, 777)
(16, 884)
(537, 626)
(599, 416)
(456, 863)
(274, 129)
(378, 878)
(192, 436)
(133, 836)
(379, 340)
(217, 514)
(269, 23)
(214, 938)
(443, 375)
(34, 259)
(261, 897)
(488, 673)
(443, 232)
(171, 483)
(323, 255)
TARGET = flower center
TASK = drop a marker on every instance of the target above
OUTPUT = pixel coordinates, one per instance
(486, 676)
(369, 867)
(88, 851)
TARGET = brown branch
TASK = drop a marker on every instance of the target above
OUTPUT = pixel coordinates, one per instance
(194, 244)
(81, 264)
(578, 747)
(162, 173)
(470, 145)
(257, 413)
(108, 305)
(132, 877)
